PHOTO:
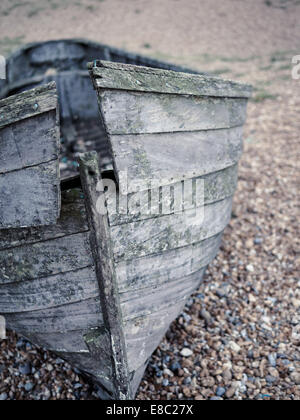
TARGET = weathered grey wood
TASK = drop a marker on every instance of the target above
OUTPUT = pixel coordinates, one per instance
(155, 270)
(137, 377)
(45, 258)
(29, 166)
(29, 142)
(126, 112)
(103, 256)
(98, 370)
(28, 104)
(72, 220)
(137, 78)
(71, 341)
(98, 342)
(152, 160)
(60, 319)
(49, 292)
(30, 197)
(136, 304)
(142, 205)
(154, 236)
(144, 334)
(155, 309)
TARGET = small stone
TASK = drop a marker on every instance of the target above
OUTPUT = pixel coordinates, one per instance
(270, 379)
(187, 380)
(175, 366)
(250, 268)
(234, 347)
(227, 375)
(168, 372)
(29, 386)
(295, 377)
(272, 357)
(206, 316)
(50, 368)
(25, 369)
(165, 382)
(47, 393)
(186, 392)
(273, 372)
(216, 399)
(258, 241)
(208, 382)
(220, 392)
(186, 352)
(230, 392)
(3, 396)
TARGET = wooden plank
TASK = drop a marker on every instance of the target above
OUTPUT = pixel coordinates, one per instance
(141, 113)
(154, 236)
(138, 303)
(103, 256)
(28, 104)
(29, 142)
(137, 377)
(144, 334)
(152, 160)
(45, 259)
(142, 205)
(137, 78)
(71, 341)
(61, 319)
(49, 292)
(29, 164)
(97, 370)
(155, 270)
(72, 220)
(30, 197)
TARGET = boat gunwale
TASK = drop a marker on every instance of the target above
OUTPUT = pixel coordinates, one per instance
(100, 69)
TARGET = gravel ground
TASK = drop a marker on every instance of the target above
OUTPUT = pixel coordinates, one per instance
(239, 335)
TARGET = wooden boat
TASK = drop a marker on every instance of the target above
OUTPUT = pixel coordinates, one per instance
(101, 286)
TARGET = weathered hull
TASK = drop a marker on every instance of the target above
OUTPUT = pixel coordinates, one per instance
(101, 288)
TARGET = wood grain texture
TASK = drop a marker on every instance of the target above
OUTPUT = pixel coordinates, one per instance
(103, 256)
(29, 142)
(29, 159)
(144, 334)
(30, 197)
(110, 75)
(152, 160)
(153, 271)
(28, 104)
(49, 292)
(127, 112)
(148, 204)
(72, 220)
(137, 304)
(60, 319)
(44, 259)
(154, 236)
